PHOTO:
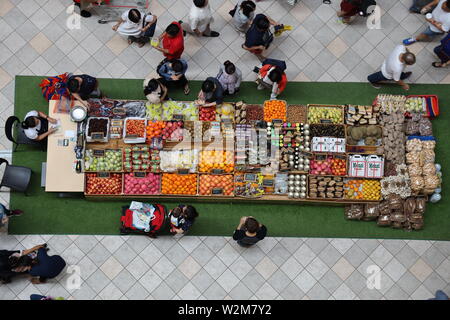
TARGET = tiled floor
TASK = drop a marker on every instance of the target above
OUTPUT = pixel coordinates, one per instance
(114, 267)
(34, 40)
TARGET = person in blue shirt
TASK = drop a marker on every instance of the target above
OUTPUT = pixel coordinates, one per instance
(259, 37)
(443, 52)
(173, 72)
(211, 93)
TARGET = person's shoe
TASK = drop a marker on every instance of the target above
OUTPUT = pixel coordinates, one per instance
(85, 14)
(375, 85)
(16, 212)
(409, 41)
(213, 34)
(407, 74)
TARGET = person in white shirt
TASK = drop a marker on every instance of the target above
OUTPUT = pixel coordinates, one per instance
(155, 91)
(136, 26)
(393, 67)
(35, 125)
(244, 12)
(229, 77)
(438, 21)
(200, 19)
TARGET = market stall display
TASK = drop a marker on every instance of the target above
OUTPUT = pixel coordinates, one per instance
(356, 154)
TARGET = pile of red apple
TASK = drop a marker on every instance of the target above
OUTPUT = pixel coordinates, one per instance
(329, 166)
(207, 114)
(97, 185)
(136, 185)
(173, 131)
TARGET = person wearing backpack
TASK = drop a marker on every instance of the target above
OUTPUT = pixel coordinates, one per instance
(272, 76)
(259, 37)
(137, 27)
(243, 14)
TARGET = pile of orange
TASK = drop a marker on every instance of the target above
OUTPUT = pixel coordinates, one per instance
(216, 159)
(154, 129)
(362, 190)
(274, 109)
(172, 183)
(209, 182)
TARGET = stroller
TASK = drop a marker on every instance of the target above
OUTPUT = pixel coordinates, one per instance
(129, 225)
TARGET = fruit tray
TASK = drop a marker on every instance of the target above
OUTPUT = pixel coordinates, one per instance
(321, 113)
(141, 183)
(431, 108)
(135, 138)
(100, 160)
(103, 183)
(97, 135)
(216, 185)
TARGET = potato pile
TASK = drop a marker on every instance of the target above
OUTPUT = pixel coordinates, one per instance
(393, 137)
(326, 187)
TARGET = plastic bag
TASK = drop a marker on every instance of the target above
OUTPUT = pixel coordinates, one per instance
(371, 212)
(417, 183)
(425, 127)
(412, 127)
(414, 170)
(384, 221)
(428, 156)
(431, 182)
(429, 169)
(420, 205)
(354, 212)
(395, 202)
(409, 206)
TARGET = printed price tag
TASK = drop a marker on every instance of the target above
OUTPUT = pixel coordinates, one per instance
(216, 191)
(250, 177)
(217, 171)
(326, 121)
(140, 174)
(98, 152)
(97, 135)
(183, 171)
(268, 182)
(103, 175)
(178, 117)
(277, 121)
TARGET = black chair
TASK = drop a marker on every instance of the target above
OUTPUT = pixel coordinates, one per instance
(16, 177)
(14, 122)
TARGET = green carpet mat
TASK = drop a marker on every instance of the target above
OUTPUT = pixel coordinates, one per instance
(46, 214)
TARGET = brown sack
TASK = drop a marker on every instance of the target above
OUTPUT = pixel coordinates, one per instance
(354, 212)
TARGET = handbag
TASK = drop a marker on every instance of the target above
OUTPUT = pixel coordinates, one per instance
(267, 38)
(232, 12)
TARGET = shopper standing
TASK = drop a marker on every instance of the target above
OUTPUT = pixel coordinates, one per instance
(172, 41)
(438, 22)
(200, 19)
(229, 77)
(249, 232)
(243, 14)
(393, 67)
(443, 52)
(259, 37)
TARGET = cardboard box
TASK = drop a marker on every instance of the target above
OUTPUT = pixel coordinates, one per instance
(374, 166)
(357, 166)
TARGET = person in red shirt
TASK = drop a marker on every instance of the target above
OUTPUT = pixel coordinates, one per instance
(349, 9)
(271, 77)
(172, 41)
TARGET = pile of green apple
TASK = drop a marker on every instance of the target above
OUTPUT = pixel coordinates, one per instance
(111, 161)
(415, 104)
(317, 114)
